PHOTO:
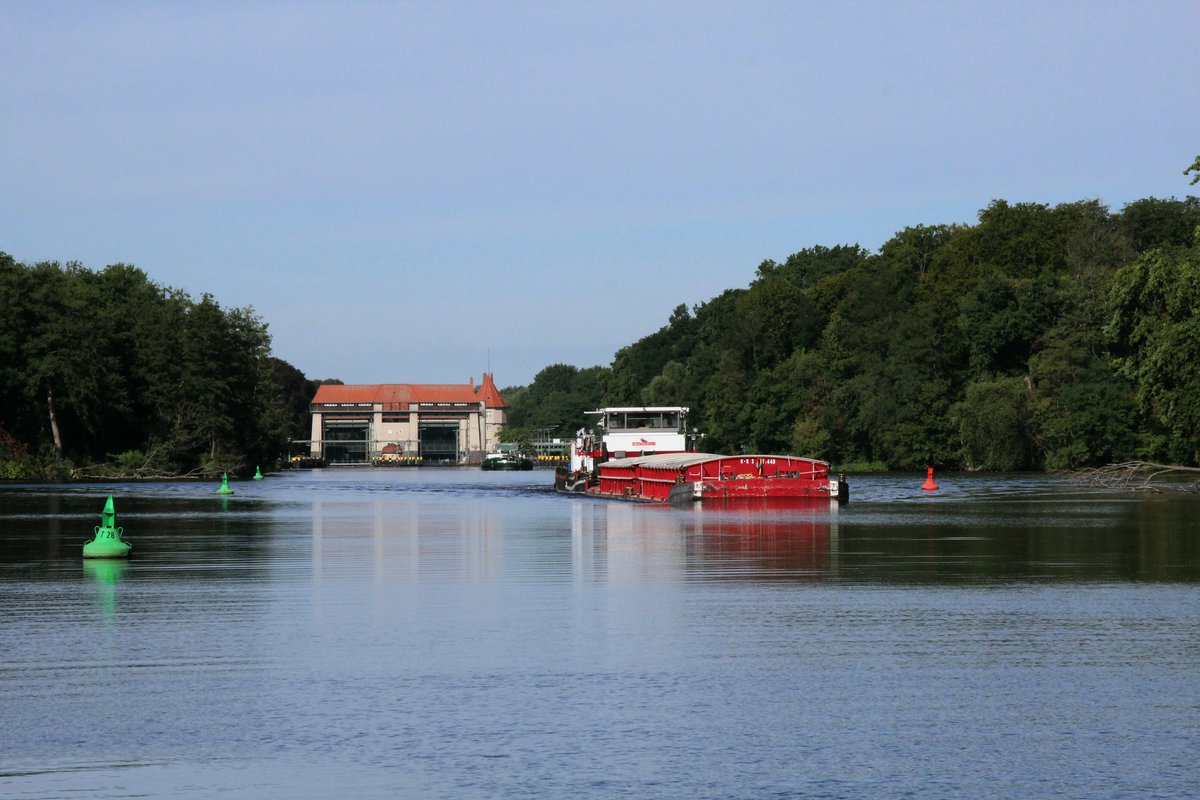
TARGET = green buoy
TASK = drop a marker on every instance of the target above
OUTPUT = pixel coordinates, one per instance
(108, 542)
(258, 476)
(224, 484)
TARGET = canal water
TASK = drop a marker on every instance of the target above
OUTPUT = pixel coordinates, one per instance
(453, 633)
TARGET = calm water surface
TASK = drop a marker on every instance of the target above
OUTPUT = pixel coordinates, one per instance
(454, 633)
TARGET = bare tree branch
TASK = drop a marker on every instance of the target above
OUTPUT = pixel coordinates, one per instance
(1141, 476)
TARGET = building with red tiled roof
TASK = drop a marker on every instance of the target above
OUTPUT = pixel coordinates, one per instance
(402, 422)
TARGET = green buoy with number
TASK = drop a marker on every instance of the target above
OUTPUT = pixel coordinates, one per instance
(108, 542)
(224, 484)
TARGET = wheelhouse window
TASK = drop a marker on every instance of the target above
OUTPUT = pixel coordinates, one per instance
(642, 420)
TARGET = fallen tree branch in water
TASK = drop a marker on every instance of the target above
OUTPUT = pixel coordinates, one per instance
(110, 471)
(1141, 476)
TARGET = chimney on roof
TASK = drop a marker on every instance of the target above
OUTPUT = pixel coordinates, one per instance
(472, 383)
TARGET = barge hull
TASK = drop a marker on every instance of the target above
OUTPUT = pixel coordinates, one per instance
(704, 477)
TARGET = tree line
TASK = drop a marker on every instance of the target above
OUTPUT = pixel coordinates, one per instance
(107, 373)
(1039, 337)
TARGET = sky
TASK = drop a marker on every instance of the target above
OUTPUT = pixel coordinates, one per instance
(419, 192)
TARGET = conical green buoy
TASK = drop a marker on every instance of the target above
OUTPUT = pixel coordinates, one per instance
(224, 484)
(258, 476)
(108, 542)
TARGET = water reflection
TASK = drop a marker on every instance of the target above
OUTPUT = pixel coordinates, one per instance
(626, 542)
(781, 540)
(586, 541)
(105, 574)
(451, 634)
(458, 526)
(1003, 537)
(417, 539)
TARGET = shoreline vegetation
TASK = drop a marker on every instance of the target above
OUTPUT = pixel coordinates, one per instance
(107, 374)
(1041, 338)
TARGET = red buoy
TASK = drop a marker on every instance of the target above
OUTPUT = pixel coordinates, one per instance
(929, 485)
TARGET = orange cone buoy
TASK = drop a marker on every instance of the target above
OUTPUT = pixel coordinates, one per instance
(929, 485)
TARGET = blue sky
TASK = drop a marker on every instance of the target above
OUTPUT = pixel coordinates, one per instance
(407, 192)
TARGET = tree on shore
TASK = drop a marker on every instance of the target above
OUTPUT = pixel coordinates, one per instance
(1040, 337)
(106, 372)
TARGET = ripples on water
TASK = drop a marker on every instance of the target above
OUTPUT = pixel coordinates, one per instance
(453, 633)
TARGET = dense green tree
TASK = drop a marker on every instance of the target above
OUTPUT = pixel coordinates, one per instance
(66, 365)
(728, 413)
(1154, 328)
(636, 365)
(294, 393)
(1082, 412)
(672, 386)
(1039, 336)
(555, 402)
(920, 373)
(811, 265)
(714, 332)
(963, 345)
(776, 317)
(993, 425)
(1013, 240)
(1152, 222)
(13, 407)
(912, 251)
(107, 365)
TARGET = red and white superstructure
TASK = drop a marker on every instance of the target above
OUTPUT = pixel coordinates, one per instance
(629, 431)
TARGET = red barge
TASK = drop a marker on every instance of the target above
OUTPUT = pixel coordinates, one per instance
(642, 456)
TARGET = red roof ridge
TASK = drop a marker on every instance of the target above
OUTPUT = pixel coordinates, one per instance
(408, 393)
